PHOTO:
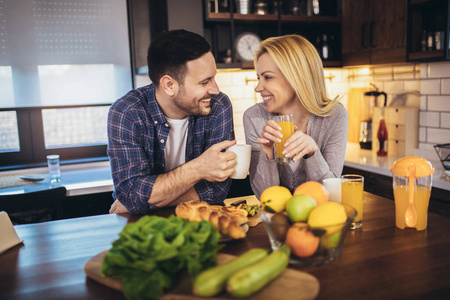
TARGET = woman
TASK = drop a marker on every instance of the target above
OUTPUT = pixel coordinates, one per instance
(291, 81)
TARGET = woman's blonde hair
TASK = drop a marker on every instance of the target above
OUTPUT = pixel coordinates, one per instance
(300, 63)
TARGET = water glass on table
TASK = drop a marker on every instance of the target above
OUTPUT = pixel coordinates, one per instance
(54, 168)
(287, 129)
(352, 194)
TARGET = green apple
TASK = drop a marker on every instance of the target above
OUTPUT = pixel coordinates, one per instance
(330, 241)
(299, 206)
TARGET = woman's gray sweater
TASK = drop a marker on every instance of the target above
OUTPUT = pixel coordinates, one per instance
(330, 134)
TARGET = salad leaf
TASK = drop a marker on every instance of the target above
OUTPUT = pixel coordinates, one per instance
(151, 253)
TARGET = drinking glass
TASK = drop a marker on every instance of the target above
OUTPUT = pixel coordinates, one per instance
(333, 185)
(287, 129)
(53, 168)
(352, 194)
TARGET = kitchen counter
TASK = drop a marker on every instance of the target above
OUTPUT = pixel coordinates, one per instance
(78, 179)
(367, 160)
(378, 261)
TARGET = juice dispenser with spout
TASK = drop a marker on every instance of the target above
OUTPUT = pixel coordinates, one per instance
(412, 178)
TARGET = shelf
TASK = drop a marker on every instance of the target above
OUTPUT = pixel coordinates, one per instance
(332, 63)
(427, 55)
(311, 19)
(224, 16)
(237, 65)
(255, 17)
(244, 17)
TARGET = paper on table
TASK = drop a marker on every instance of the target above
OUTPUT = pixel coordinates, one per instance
(8, 235)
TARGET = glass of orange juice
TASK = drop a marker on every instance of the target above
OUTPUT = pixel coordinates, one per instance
(287, 129)
(352, 194)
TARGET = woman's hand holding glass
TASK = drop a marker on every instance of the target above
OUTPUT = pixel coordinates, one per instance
(297, 146)
(271, 134)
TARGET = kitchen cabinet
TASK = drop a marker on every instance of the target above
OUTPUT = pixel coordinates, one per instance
(402, 127)
(373, 32)
(428, 30)
(224, 22)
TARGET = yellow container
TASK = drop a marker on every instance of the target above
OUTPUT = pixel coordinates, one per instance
(412, 177)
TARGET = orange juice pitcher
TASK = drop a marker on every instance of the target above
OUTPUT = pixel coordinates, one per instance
(412, 178)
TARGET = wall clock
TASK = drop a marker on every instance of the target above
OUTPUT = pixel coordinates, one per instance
(247, 43)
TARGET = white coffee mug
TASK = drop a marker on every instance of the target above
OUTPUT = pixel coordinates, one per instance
(333, 185)
(243, 155)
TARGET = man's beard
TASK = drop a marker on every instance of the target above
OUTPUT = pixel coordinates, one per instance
(191, 110)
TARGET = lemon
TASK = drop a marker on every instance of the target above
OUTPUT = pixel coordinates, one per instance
(274, 198)
(326, 215)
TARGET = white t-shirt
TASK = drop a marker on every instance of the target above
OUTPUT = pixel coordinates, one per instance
(175, 151)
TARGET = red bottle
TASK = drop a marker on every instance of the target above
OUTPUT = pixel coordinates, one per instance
(382, 136)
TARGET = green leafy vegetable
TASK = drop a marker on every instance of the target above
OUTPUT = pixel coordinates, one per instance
(151, 253)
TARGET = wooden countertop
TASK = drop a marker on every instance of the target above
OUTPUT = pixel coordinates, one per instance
(378, 262)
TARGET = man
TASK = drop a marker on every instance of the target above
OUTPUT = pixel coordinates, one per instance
(166, 139)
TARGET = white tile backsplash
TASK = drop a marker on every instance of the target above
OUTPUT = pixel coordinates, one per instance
(404, 72)
(439, 103)
(240, 106)
(430, 86)
(394, 87)
(429, 119)
(423, 71)
(438, 136)
(423, 103)
(439, 70)
(422, 134)
(223, 79)
(412, 85)
(445, 86)
(445, 120)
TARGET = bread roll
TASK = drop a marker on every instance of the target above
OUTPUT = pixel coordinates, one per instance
(235, 231)
(214, 219)
(226, 220)
(204, 212)
(189, 210)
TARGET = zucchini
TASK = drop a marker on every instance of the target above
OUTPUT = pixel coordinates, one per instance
(212, 281)
(251, 279)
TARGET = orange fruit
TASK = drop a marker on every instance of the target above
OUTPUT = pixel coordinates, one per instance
(315, 190)
(301, 240)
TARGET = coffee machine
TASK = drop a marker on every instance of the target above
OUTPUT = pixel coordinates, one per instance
(369, 101)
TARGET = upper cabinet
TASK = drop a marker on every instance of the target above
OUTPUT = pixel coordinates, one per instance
(373, 32)
(227, 21)
(428, 30)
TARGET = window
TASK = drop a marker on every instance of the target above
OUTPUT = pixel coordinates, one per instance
(62, 64)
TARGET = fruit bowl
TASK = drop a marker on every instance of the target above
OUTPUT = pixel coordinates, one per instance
(331, 238)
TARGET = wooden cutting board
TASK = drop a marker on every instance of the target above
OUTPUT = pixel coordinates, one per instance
(291, 284)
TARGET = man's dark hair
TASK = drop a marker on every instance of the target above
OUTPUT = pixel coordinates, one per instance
(171, 50)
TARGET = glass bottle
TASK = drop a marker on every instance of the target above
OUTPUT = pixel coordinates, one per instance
(382, 135)
(325, 49)
(424, 41)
